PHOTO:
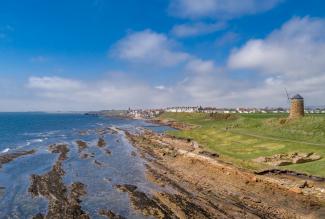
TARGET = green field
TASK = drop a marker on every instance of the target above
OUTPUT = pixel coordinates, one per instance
(241, 138)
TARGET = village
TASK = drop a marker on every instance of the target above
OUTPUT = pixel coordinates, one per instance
(151, 113)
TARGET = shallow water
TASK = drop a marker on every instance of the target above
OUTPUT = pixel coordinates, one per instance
(39, 130)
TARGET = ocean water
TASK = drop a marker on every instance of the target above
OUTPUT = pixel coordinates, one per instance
(25, 131)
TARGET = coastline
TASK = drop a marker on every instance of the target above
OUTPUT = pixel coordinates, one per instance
(189, 182)
(178, 164)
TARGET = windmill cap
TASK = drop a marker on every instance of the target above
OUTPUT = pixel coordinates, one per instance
(297, 97)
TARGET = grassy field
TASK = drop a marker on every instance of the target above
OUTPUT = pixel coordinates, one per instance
(241, 138)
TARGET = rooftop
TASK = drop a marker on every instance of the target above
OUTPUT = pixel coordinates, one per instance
(297, 97)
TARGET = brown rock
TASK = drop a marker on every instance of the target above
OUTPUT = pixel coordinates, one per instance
(8, 157)
(101, 142)
(295, 190)
(110, 214)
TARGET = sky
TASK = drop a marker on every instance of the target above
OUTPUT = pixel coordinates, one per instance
(84, 55)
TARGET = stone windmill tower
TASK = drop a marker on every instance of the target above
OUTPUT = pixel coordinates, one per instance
(297, 108)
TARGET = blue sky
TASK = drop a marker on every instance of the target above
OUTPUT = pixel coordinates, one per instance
(103, 54)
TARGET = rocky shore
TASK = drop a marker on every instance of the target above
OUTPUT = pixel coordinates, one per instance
(8, 157)
(188, 181)
(205, 187)
(64, 201)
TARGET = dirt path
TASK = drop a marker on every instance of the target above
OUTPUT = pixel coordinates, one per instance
(214, 189)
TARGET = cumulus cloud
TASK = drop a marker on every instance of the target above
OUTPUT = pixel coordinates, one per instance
(292, 57)
(199, 66)
(148, 47)
(296, 50)
(197, 28)
(224, 9)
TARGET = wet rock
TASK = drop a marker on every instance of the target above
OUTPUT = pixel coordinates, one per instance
(2, 189)
(64, 202)
(81, 145)
(110, 214)
(113, 130)
(107, 151)
(97, 163)
(84, 155)
(101, 142)
(133, 154)
(39, 216)
(126, 188)
(102, 131)
(163, 205)
(141, 202)
(8, 157)
(61, 149)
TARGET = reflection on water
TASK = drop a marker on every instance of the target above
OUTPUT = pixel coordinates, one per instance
(100, 174)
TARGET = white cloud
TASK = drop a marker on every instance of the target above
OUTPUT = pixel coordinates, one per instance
(225, 9)
(53, 83)
(291, 57)
(160, 87)
(197, 28)
(199, 66)
(115, 91)
(296, 50)
(148, 47)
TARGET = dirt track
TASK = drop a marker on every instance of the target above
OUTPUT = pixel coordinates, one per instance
(218, 190)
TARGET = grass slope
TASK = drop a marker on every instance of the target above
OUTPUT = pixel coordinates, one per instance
(239, 140)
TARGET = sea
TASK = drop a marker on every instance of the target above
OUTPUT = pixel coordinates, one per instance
(27, 131)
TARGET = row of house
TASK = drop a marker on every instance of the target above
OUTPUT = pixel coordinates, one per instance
(151, 113)
(317, 111)
(224, 110)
